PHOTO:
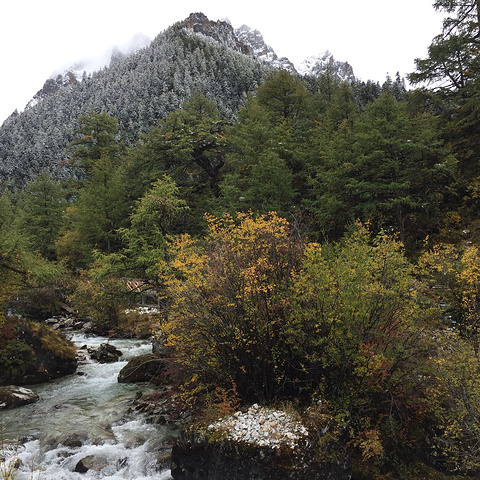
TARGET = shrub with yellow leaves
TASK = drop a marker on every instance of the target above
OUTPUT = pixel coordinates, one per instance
(228, 320)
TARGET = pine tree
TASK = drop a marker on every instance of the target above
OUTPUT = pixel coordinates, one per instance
(146, 237)
(453, 62)
(41, 215)
(95, 138)
(100, 203)
(388, 168)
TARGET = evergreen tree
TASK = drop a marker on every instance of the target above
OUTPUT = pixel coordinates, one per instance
(95, 138)
(266, 161)
(453, 60)
(388, 168)
(22, 270)
(284, 96)
(452, 68)
(189, 147)
(99, 207)
(145, 238)
(41, 215)
(253, 165)
(194, 140)
(270, 186)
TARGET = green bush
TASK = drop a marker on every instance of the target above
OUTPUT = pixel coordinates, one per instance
(16, 357)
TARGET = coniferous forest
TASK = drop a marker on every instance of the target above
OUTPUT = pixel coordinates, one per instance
(306, 239)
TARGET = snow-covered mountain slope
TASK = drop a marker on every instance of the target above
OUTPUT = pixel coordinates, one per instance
(81, 69)
(139, 86)
(244, 40)
(317, 64)
(254, 40)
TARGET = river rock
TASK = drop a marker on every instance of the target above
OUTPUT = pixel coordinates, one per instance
(143, 368)
(12, 396)
(105, 353)
(91, 462)
(74, 440)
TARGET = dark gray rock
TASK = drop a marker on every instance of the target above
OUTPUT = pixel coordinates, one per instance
(105, 353)
(198, 456)
(144, 368)
(74, 440)
(91, 462)
(12, 396)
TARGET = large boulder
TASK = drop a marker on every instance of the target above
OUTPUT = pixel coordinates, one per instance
(143, 368)
(12, 396)
(260, 444)
(34, 353)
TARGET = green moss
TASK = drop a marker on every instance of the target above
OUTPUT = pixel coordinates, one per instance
(24, 343)
(53, 342)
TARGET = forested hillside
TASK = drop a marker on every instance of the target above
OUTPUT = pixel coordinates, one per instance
(309, 240)
(137, 90)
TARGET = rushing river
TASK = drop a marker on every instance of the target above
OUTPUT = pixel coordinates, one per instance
(82, 415)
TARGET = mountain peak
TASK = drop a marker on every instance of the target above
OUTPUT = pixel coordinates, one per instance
(317, 64)
(253, 42)
(244, 39)
(220, 31)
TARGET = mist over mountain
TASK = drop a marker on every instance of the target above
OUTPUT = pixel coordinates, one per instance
(140, 83)
(80, 69)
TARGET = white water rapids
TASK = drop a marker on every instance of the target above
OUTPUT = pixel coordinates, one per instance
(86, 411)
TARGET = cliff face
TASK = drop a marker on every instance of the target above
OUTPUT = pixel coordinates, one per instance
(243, 40)
(220, 31)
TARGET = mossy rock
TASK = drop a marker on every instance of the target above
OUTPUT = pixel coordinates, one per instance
(34, 353)
(199, 454)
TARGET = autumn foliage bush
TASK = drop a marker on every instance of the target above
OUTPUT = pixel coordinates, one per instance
(255, 306)
(257, 314)
(355, 317)
(228, 320)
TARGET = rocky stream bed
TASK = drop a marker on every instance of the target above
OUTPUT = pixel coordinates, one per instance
(115, 418)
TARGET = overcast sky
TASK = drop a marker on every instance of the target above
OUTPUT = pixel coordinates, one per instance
(377, 37)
